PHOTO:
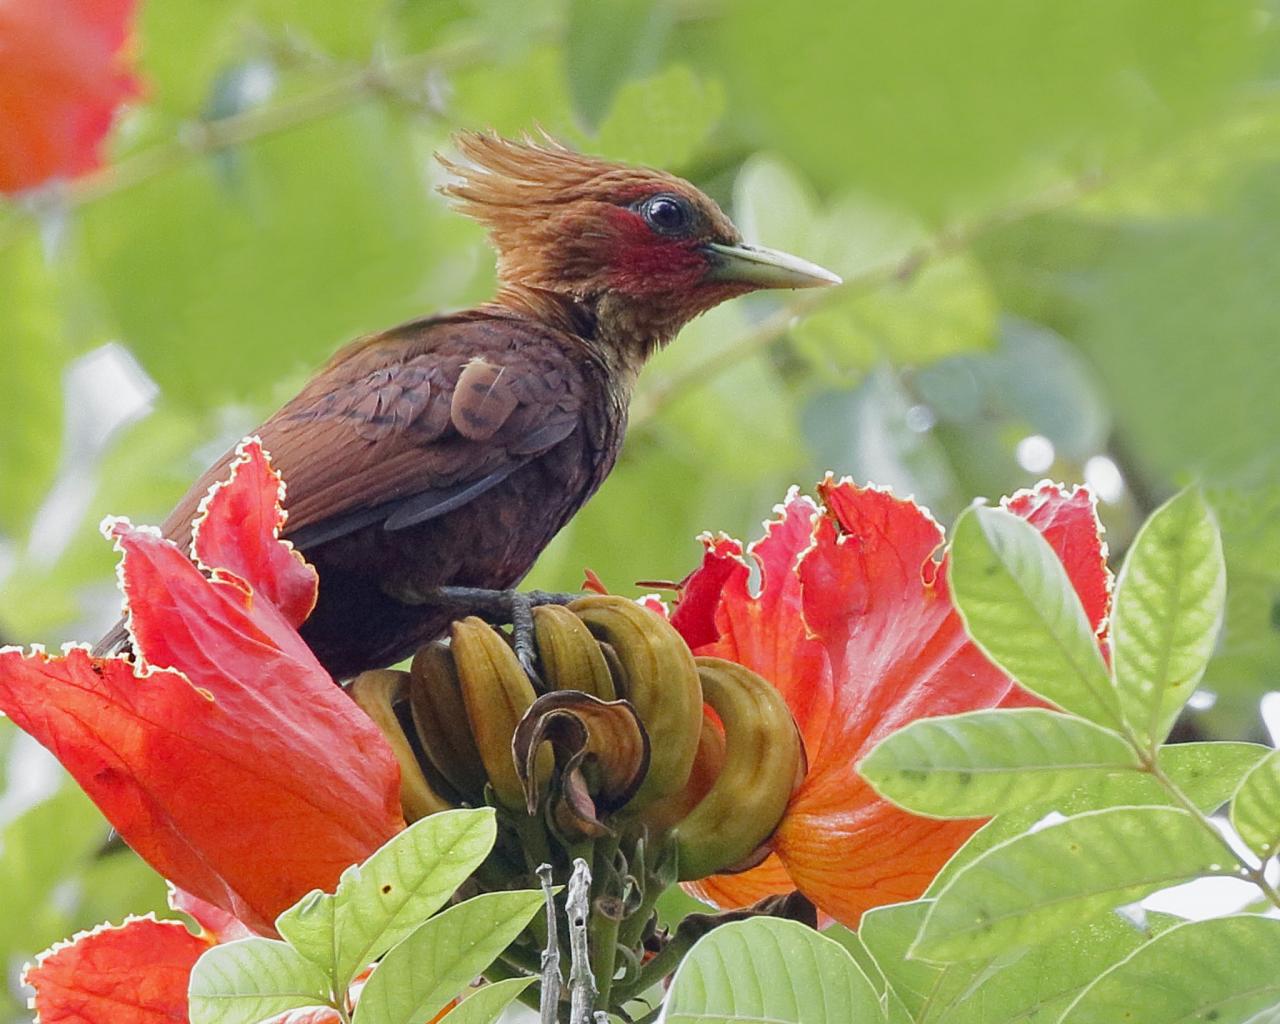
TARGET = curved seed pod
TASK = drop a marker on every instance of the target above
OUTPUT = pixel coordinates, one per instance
(764, 762)
(377, 692)
(440, 719)
(662, 685)
(669, 812)
(496, 693)
(571, 658)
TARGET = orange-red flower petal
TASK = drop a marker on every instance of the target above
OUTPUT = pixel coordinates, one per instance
(62, 77)
(237, 531)
(1069, 521)
(136, 973)
(216, 924)
(226, 756)
(854, 623)
(768, 878)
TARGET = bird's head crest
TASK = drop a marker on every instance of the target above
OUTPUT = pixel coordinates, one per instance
(639, 243)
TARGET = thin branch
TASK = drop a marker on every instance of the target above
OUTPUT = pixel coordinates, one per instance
(1258, 875)
(582, 983)
(348, 87)
(654, 399)
(549, 1006)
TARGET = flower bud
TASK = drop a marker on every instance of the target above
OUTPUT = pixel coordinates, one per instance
(663, 815)
(571, 658)
(496, 693)
(440, 720)
(661, 684)
(763, 764)
(377, 692)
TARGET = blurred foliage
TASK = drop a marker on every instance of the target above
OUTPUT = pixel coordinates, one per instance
(1054, 220)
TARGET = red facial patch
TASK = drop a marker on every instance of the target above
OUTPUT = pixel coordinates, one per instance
(639, 261)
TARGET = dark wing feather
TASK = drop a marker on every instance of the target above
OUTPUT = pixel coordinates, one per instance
(414, 423)
(405, 512)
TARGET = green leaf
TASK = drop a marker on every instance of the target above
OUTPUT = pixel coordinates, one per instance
(1023, 987)
(1207, 773)
(1039, 985)
(346, 30)
(411, 877)
(308, 926)
(661, 121)
(891, 1005)
(436, 962)
(1247, 658)
(869, 432)
(944, 308)
(379, 902)
(261, 267)
(827, 82)
(487, 1003)
(1030, 888)
(249, 980)
(605, 44)
(769, 970)
(35, 354)
(1167, 612)
(45, 847)
(1221, 970)
(182, 46)
(925, 989)
(1255, 809)
(1022, 611)
(984, 762)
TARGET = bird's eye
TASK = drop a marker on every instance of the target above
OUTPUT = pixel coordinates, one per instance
(667, 214)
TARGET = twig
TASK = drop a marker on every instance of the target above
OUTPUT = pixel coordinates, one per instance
(947, 243)
(346, 87)
(549, 1006)
(582, 983)
(1258, 875)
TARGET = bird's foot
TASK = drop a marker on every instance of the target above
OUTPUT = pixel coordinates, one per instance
(500, 607)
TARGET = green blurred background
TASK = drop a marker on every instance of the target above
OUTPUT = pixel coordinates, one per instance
(1058, 224)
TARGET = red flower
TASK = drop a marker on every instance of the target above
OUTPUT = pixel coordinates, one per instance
(225, 755)
(61, 80)
(853, 622)
(134, 974)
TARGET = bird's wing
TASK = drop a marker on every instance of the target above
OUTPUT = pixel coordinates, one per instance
(413, 424)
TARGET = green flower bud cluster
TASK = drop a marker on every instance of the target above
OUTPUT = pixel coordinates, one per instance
(625, 737)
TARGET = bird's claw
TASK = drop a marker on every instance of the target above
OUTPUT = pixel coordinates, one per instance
(504, 606)
(522, 636)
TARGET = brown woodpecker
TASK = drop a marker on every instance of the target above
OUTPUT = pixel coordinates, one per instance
(448, 451)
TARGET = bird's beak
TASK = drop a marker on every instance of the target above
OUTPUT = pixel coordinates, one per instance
(764, 268)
